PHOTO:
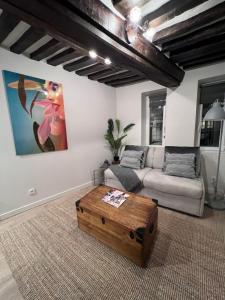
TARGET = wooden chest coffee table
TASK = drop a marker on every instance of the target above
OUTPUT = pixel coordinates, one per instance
(129, 229)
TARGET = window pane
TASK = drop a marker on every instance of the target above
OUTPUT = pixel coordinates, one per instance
(156, 120)
(210, 131)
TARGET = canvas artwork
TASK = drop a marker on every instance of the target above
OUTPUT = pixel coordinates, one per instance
(37, 115)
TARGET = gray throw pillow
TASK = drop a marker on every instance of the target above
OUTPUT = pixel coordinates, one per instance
(132, 159)
(130, 162)
(181, 165)
(185, 150)
(139, 148)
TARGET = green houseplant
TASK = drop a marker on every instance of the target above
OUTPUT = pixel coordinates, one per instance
(115, 135)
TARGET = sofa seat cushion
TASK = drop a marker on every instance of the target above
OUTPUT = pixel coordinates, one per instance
(140, 173)
(158, 181)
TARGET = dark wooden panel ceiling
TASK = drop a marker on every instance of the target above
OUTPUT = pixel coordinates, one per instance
(75, 27)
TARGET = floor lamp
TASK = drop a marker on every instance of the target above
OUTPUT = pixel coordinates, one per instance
(217, 113)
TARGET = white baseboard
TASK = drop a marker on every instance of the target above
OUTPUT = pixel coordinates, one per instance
(43, 201)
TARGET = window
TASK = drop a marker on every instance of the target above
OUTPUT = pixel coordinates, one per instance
(153, 115)
(210, 130)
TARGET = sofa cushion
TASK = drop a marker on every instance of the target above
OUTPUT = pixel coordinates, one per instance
(132, 159)
(186, 150)
(157, 180)
(140, 173)
(158, 157)
(181, 165)
(139, 148)
(149, 159)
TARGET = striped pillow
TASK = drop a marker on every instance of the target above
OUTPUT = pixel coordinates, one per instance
(181, 165)
(132, 159)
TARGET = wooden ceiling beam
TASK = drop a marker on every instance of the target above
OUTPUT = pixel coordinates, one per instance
(31, 36)
(170, 10)
(205, 60)
(7, 23)
(123, 75)
(210, 16)
(200, 52)
(79, 64)
(124, 80)
(125, 6)
(204, 63)
(127, 82)
(46, 50)
(92, 69)
(199, 36)
(64, 56)
(88, 24)
(97, 14)
(104, 73)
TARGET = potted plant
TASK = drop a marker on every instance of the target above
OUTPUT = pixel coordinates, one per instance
(115, 135)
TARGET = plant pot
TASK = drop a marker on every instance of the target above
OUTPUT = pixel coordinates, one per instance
(116, 158)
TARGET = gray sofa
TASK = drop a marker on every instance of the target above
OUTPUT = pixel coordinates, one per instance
(182, 194)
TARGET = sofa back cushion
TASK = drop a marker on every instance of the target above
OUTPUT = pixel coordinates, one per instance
(155, 157)
(158, 157)
(149, 159)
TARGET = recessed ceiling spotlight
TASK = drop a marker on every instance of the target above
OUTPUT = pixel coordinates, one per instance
(135, 15)
(149, 33)
(108, 61)
(93, 54)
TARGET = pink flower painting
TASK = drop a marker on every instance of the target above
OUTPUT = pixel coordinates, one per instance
(37, 104)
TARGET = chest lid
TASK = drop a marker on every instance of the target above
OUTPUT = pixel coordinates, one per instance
(134, 213)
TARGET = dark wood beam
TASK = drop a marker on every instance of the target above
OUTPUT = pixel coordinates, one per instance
(86, 24)
(123, 75)
(92, 69)
(199, 52)
(206, 18)
(31, 36)
(98, 14)
(127, 82)
(199, 36)
(46, 50)
(104, 73)
(212, 59)
(169, 10)
(7, 23)
(203, 64)
(79, 64)
(125, 6)
(124, 80)
(64, 56)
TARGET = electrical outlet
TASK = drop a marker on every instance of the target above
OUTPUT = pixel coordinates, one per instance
(32, 191)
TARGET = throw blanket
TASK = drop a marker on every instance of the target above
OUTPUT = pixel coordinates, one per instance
(127, 177)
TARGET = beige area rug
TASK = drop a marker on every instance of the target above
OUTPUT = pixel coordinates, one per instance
(50, 258)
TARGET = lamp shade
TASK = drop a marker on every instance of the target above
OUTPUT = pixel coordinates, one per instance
(215, 113)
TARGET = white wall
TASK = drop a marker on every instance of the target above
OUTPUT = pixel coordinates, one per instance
(88, 105)
(180, 113)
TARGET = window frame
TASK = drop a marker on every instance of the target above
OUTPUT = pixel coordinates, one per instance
(207, 81)
(145, 118)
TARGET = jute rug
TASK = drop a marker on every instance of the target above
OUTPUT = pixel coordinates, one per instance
(50, 258)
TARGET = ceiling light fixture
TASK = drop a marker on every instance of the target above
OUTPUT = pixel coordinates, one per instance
(135, 15)
(92, 54)
(108, 61)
